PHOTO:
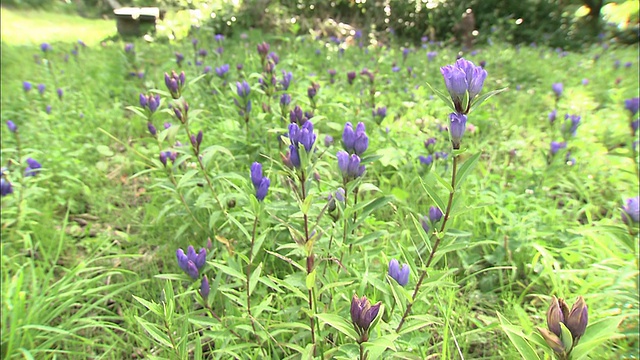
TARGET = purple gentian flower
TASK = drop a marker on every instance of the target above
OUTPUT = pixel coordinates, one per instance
(632, 105)
(397, 273)
(457, 126)
(631, 210)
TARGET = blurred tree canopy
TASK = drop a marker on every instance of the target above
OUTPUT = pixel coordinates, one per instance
(558, 23)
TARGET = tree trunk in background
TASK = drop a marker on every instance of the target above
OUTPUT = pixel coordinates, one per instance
(592, 21)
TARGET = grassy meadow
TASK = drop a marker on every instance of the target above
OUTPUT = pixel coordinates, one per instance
(90, 261)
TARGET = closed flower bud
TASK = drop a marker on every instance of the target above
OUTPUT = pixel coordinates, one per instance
(26, 86)
(5, 187)
(12, 126)
(555, 317)
(553, 340)
(328, 140)
(577, 320)
(262, 189)
(457, 126)
(205, 288)
(163, 158)
(363, 314)
(143, 100)
(60, 92)
(428, 160)
(351, 76)
(256, 174)
(557, 89)
(349, 137)
(399, 274)
(435, 214)
(632, 105)
(631, 210)
(152, 129)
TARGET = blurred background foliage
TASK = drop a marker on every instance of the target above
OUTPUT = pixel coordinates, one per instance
(568, 24)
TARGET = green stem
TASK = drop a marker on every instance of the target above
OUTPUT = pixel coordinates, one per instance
(204, 171)
(435, 246)
(253, 240)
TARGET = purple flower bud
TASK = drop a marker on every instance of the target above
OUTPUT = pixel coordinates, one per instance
(263, 49)
(243, 89)
(431, 55)
(207, 69)
(632, 210)
(632, 105)
(351, 76)
(328, 140)
(426, 160)
(577, 319)
(204, 288)
(634, 126)
(163, 159)
(12, 126)
(256, 174)
(362, 140)
(556, 146)
(218, 37)
(553, 115)
(143, 100)
(435, 214)
(60, 93)
(397, 273)
(349, 137)
(456, 82)
(285, 100)
(430, 143)
(152, 129)
(222, 70)
(296, 116)
(424, 221)
(203, 52)
(363, 313)
(262, 188)
(199, 138)
(311, 92)
(294, 157)
(343, 162)
(41, 88)
(47, 109)
(5, 187)
(26, 86)
(33, 167)
(45, 47)
(179, 58)
(457, 126)
(154, 103)
(557, 89)
(128, 47)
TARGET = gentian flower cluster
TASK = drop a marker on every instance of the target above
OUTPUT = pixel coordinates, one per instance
(260, 183)
(300, 136)
(33, 167)
(355, 142)
(26, 86)
(45, 47)
(168, 155)
(287, 76)
(349, 165)
(562, 323)
(397, 273)
(221, 71)
(151, 102)
(570, 127)
(243, 103)
(191, 263)
(175, 83)
(196, 140)
(351, 75)
(379, 114)
(362, 315)
(296, 116)
(464, 82)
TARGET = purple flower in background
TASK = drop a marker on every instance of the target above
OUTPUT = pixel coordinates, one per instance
(431, 55)
(428, 160)
(286, 80)
(616, 64)
(5, 187)
(357, 141)
(557, 89)
(45, 47)
(219, 50)
(631, 210)
(194, 42)
(628, 64)
(207, 69)
(297, 116)
(585, 81)
(222, 70)
(457, 126)
(380, 113)
(218, 37)
(26, 86)
(128, 47)
(632, 105)
(47, 109)
(328, 140)
(33, 167)
(634, 126)
(263, 49)
(12, 126)
(395, 68)
(285, 100)
(152, 129)
(574, 121)
(243, 89)
(203, 52)
(351, 75)
(275, 59)
(552, 116)
(41, 88)
(174, 83)
(405, 53)
(179, 58)
(556, 146)
(424, 39)
(441, 155)
(397, 273)
(60, 93)
(435, 215)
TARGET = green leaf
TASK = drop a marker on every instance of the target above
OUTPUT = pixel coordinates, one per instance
(338, 323)
(485, 97)
(518, 339)
(377, 347)
(466, 168)
(311, 280)
(447, 99)
(255, 276)
(155, 333)
(595, 335)
(427, 185)
(104, 151)
(153, 307)
(567, 339)
(442, 182)
(138, 111)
